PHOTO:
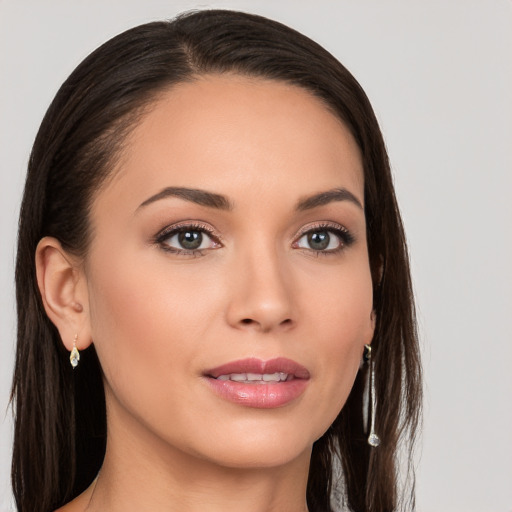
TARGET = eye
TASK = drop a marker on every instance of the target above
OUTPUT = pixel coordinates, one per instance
(327, 239)
(187, 239)
(319, 241)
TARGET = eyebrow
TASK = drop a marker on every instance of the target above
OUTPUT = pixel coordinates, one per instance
(201, 197)
(220, 202)
(323, 198)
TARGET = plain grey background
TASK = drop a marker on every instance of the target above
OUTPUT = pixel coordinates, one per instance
(439, 75)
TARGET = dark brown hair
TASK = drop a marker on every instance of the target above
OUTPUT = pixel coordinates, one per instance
(60, 430)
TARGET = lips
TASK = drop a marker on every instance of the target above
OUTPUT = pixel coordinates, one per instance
(261, 384)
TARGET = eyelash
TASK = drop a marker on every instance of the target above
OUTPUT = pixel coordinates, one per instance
(170, 231)
(345, 237)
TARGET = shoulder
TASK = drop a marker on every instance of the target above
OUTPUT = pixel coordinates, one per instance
(80, 503)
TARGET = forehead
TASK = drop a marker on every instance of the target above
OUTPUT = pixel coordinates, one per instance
(227, 132)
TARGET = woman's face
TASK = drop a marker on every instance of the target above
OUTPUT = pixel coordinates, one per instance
(232, 233)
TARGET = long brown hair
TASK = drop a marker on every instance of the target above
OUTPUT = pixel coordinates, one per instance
(60, 425)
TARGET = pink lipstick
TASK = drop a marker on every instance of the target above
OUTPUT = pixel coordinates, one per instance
(260, 384)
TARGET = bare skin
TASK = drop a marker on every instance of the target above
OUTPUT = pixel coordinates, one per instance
(161, 314)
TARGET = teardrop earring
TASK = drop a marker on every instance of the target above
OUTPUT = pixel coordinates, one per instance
(74, 357)
(373, 438)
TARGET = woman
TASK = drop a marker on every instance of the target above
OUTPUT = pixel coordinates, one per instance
(214, 300)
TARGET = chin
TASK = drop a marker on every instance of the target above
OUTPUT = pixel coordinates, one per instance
(273, 455)
(261, 446)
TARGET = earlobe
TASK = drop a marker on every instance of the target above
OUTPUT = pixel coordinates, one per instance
(63, 291)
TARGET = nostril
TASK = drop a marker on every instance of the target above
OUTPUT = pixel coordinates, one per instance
(265, 326)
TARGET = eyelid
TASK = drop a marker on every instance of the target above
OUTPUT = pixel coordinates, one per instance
(188, 224)
(173, 229)
(345, 236)
(327, 225)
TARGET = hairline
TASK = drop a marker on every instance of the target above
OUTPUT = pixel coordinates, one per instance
(119, 133)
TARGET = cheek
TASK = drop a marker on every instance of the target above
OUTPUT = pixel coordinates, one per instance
(147, 323)
(343, 325)
(342, 306)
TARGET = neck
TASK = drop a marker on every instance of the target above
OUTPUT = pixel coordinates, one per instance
(143, 472)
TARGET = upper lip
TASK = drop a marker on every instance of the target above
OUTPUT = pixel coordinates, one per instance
(254, 365)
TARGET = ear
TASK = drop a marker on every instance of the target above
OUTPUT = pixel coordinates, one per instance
(371, 327)
(63, 288)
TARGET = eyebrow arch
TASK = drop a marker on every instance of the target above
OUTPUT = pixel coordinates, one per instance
(201, 197)
(336, 194)
(218, 201)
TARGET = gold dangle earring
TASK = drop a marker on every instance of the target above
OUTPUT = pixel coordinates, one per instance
(74, 357)
(373, 438)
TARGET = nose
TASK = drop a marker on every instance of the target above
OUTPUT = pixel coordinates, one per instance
(261, 294)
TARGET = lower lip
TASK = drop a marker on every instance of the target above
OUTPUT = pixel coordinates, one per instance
(262, 396)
